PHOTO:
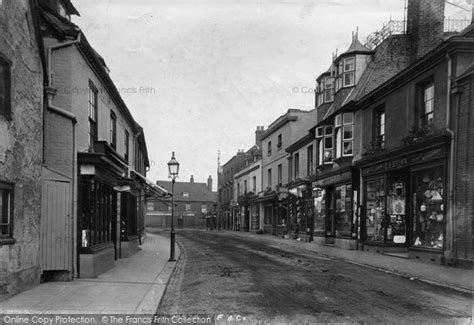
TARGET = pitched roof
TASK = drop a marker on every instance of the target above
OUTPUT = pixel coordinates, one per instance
(198, 192)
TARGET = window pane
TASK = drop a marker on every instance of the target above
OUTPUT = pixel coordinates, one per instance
(347, 148)
(348, 132)
(328, 143)
(338, 143)
(349, 79)
(328, 130)
(348, 118)
(349, 64)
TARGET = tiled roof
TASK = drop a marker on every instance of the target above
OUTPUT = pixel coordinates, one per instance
(198, 192)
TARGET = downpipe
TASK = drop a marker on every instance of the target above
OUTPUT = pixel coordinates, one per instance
(450, 252)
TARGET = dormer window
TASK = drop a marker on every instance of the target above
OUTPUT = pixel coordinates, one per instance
(349, 72)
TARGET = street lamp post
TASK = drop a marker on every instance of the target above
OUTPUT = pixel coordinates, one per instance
(173, 168)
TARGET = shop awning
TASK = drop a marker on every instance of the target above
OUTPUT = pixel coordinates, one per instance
(151, 188)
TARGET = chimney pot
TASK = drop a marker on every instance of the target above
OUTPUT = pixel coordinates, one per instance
(192, 179)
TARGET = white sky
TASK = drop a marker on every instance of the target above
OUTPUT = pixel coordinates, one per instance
(199, 76)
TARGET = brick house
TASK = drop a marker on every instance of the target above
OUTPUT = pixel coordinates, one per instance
(416, 196)
(401, 188)
(95, 157)
(194, 203)
(21, 142)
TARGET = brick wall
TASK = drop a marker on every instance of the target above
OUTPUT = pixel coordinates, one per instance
(425, 25)
(21, 144)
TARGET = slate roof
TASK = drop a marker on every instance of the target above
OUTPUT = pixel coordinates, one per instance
(198, 192)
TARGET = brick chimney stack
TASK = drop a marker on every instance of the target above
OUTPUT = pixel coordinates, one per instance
(209, 183)
(192, 179)
(258, 135)
(425, 22)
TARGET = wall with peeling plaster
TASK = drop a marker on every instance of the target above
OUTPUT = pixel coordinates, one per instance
(21, 147)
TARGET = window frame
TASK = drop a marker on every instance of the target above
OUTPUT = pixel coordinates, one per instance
(269, 148)
(127, 144)
(279, 142)
(269, 179)
(113, 130)
(348, 72)
(92, 113)
(423, 115)
(378, 136)
(9, 188)
(279, 174)
(6, 107)
(296, 165)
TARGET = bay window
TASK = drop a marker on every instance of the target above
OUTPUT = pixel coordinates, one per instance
(344, 124)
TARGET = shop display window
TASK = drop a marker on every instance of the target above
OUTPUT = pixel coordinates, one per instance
(319, 210)
(429, 209)
(343, 210)
(268, 214)
(375, 210)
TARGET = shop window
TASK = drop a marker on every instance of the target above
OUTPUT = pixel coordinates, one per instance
(113, 130)
(375, 210)
(379, 128)
(319, 202)
(429, 222)
(427, 105)
(92, 103)
(343, 210)
(280, 175)
(6, 211)
(5, 86)
(297, 165)
(98, 202)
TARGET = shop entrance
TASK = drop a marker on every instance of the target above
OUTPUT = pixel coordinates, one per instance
(386, 210)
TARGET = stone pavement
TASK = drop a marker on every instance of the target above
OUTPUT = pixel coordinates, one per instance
(458, 279)
(134, 286)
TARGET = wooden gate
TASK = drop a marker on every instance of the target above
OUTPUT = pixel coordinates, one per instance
(56, 226)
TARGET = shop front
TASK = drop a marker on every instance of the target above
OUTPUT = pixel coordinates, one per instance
(300, 212)
(334, 200)
(404, 203)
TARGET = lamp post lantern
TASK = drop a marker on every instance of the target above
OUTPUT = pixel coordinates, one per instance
(173, 168)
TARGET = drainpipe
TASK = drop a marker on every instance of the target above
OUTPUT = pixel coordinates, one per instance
(450, 253)
(55, 47)
(73, 119)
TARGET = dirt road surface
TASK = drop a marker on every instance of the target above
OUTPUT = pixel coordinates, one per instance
(258, 281)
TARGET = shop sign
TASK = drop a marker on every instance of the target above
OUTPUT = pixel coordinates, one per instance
(332, 179)
(404, 162)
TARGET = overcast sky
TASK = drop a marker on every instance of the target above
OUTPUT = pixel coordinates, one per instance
(199, 76)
